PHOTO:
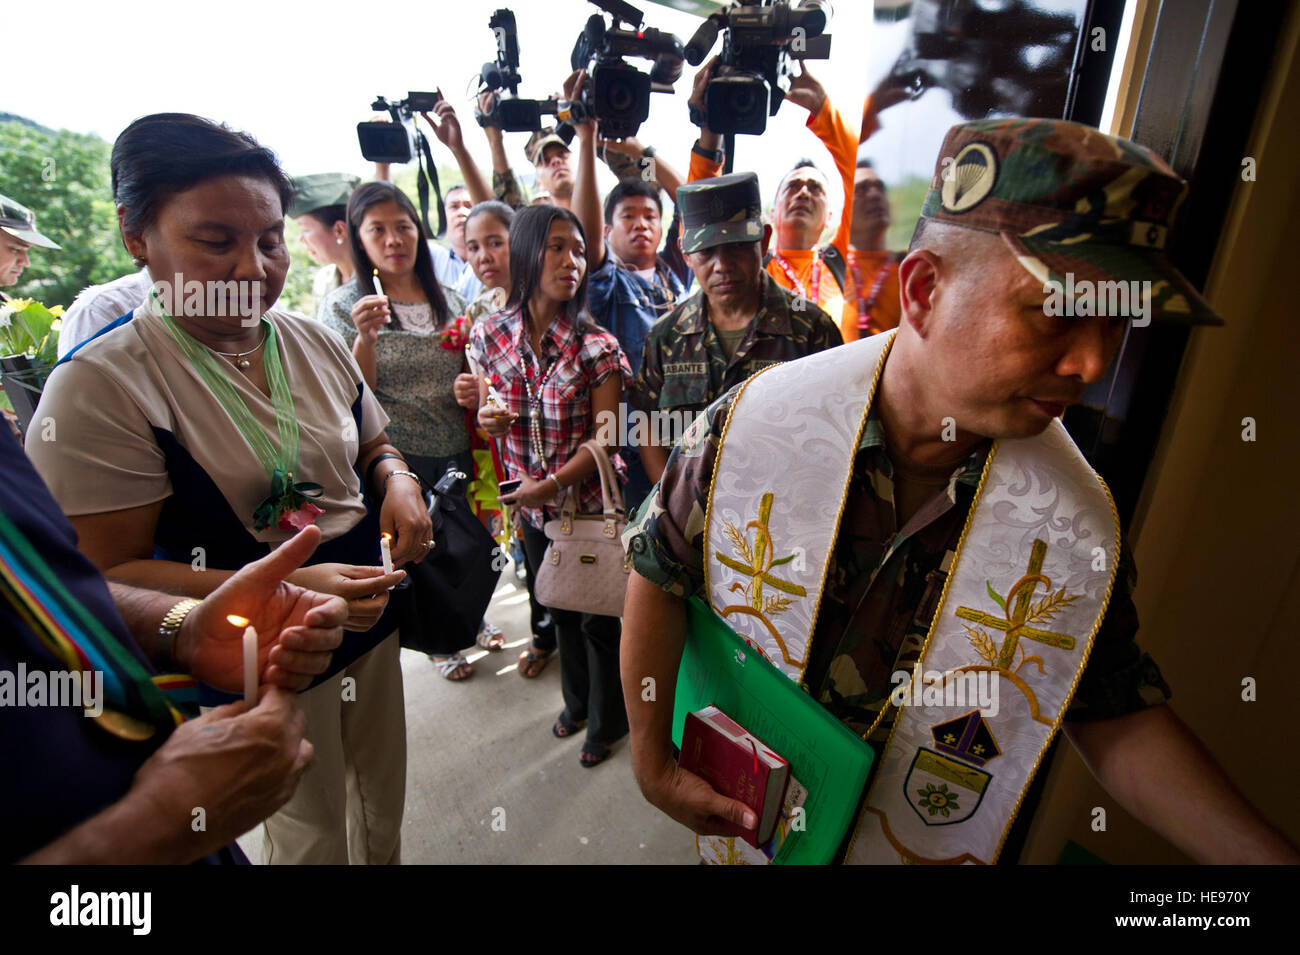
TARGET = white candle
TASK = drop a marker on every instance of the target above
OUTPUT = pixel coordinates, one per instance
(379, 288)
(494, 396)
(250, 658)
(386, 552)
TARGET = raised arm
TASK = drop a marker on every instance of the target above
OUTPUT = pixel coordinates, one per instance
(840, 139)
(448, 131)
(586, 194)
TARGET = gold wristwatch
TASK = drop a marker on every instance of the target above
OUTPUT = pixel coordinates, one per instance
(171, 623)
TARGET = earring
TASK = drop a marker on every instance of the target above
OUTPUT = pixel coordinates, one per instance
(340, 241)
(140, 261)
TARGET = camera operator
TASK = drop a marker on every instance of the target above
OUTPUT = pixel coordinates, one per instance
(631, 285)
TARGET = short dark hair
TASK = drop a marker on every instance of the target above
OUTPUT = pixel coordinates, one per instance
(626, 189)
(491, 207)
(163, 154)
(457, 187)
(804, 163)
(372, 194)
(328, 215)
(528, 234)
(865, 163)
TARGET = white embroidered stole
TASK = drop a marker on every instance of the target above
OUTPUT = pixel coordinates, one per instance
(1025, 596)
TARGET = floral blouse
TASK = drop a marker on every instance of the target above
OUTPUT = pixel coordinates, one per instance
(416, 366)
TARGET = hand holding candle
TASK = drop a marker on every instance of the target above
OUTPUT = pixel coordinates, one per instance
(250, 658)
(379, 290)
(386, 552)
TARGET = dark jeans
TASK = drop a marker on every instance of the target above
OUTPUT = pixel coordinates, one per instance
(589, 677)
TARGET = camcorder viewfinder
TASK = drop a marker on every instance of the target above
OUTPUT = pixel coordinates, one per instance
(512, 113)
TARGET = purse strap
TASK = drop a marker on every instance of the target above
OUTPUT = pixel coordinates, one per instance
(611, 496)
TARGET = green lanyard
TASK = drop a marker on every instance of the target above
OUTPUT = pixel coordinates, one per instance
(285, 495)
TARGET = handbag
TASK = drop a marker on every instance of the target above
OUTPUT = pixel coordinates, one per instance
(451, 588)
(585, 567)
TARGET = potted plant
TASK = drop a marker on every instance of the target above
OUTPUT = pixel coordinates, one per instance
(29, 341)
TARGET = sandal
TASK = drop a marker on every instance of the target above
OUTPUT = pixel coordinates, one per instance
(490, 637)
(533, 661)
(450, 666)
(566, 727)
(593, 754)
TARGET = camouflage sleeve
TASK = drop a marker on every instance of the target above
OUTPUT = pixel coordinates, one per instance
(506, 188)
(667, 539)
(1119, 678)
(826, 334)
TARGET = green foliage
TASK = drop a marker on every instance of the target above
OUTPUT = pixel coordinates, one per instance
(29, 328)
(296, 296)
(905, 201)
(63, 178)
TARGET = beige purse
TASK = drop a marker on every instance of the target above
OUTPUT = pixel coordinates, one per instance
(585, 568)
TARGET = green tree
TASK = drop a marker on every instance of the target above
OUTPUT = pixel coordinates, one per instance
(63, 178)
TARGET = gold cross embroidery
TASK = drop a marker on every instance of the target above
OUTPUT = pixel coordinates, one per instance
(1018, 617)
(759, 561)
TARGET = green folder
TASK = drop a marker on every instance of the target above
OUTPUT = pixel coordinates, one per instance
(720, 669)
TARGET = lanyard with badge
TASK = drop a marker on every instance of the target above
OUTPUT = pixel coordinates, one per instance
(794, 277)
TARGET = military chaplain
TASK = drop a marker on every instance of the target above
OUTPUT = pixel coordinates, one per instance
(947, 523)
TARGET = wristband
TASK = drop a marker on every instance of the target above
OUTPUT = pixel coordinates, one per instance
(713, 155)
(648, 153)
(559, 488)
(370, 469)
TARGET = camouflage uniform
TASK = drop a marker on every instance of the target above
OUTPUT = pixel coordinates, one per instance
(506, 188)
(683, 367)
(882, 588)
(1065, 199)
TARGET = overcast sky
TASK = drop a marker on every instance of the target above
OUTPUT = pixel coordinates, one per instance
(300, 75)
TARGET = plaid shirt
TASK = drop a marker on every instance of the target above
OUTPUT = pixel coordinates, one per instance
(882, 586)
(585, 359)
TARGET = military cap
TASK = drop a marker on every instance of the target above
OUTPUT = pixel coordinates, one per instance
(538, 142)
(20, 222)
(720, 210)
(1068, 200)
(321, 190)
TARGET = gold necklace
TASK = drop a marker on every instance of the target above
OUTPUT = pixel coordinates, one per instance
(239, 358)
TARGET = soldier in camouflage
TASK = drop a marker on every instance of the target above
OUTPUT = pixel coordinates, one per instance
(740, 323)
(1018, 210)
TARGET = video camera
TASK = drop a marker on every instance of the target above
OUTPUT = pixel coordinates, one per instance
(615, 92)
(762, 36)
(511, 113)
(393, 142)
(978, 56)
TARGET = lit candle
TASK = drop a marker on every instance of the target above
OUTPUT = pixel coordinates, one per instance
(386, 552)
(250, 658)
(494, 396)
(379, 288)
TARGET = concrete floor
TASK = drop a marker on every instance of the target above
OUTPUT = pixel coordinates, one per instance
(481, 750)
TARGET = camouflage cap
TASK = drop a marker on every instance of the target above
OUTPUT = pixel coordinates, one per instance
(538, 142)
(320, 190)
(719, 211)
(20, 222)
(1072, 203)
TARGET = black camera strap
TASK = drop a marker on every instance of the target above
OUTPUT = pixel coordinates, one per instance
(425, 173)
